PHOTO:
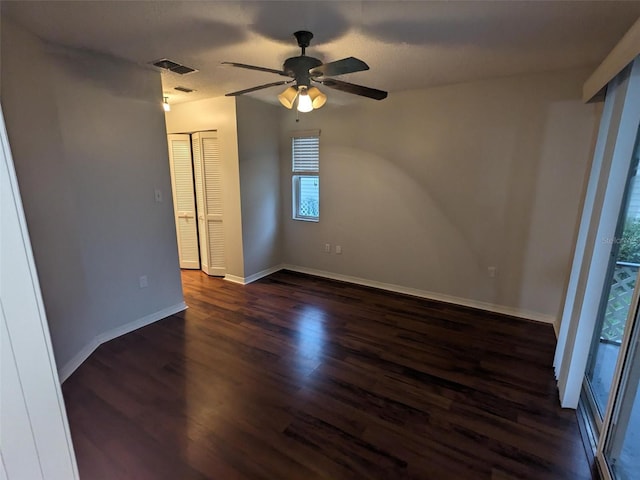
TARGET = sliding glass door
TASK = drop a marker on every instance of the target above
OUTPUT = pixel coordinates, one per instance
(613, 366)
(612, 374)
(617, 296)
(600, 333)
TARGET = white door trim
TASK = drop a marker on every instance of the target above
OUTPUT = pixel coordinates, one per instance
(32, 411)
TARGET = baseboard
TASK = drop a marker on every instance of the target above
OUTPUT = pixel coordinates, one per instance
(77, 360)
(234, 279)
(490, 307)
(263, 273)
(141, 322)
(254, 277)
(71, 366)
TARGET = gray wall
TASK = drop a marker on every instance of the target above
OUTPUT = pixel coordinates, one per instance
(259, 157)
(89, 144)
(429, 188)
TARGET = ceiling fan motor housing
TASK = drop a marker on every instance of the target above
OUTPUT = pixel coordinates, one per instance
(298, 68)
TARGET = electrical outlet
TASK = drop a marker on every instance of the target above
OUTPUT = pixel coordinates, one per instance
(492, 272)
(144, 281)
(158, 195)
(338, 249)
(327, 248)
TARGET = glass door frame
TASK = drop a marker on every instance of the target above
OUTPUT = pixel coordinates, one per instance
(619, 138)
(628, 118)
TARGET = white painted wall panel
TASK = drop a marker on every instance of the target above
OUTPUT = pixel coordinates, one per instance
(34, 433)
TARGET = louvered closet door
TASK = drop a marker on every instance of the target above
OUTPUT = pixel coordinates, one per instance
(202, 223)
(183, 200)
(209, 200)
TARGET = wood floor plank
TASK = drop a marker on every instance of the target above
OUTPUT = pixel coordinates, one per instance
(299, 377)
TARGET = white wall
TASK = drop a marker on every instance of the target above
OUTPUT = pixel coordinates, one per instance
(429, 188)
(259, 156)
(218, 114)
(89, 144)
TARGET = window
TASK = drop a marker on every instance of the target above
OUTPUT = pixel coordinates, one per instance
(305, 152)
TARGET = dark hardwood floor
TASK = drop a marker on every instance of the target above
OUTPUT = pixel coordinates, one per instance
(297, 377)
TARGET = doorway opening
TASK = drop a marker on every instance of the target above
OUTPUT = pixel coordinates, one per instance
(197, 186)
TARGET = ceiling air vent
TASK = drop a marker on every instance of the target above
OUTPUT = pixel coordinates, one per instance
(184, 89)
(172, 66)
(182, 70)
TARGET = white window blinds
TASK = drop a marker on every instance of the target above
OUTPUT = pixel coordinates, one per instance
(306, 153)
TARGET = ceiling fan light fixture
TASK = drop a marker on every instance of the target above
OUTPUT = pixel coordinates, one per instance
(165, 104)
(318, 99)
(304, 101)
(288, 97)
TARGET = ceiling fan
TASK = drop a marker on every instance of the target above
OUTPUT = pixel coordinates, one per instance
(304, 70)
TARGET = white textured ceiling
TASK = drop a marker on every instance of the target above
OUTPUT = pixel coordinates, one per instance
(407, 44)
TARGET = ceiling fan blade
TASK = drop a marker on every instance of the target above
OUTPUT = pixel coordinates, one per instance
(260, 69)
(355, 89)
(339, 67)
(259, 87)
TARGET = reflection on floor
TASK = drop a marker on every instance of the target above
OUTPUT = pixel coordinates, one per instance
(627, 467)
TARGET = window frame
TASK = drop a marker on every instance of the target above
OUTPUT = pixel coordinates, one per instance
(308, 170)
